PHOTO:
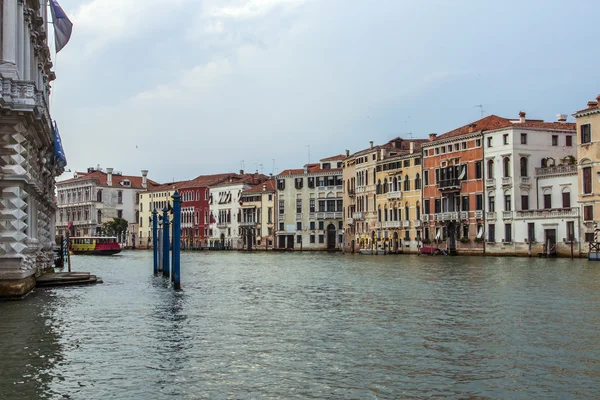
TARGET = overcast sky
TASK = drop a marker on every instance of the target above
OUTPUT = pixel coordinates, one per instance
(190, 87)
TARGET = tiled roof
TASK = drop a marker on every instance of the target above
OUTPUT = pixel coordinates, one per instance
(269, 187)
(393, 144)
(566, 126)
(312, 169)
(334, 158)
(101, 179)
(488, 123)
(252, 179)
(207, 180)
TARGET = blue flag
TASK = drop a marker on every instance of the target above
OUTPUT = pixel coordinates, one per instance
(62, 26)
(59, 152)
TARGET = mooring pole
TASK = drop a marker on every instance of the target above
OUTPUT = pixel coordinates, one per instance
(155, 239)
(166, 269)
(160, 246)
(176, 240)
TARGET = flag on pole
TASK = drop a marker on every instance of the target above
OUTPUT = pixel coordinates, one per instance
(62, 25)
(59, 152)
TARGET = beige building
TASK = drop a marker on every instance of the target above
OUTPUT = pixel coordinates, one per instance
(257, 223)
(588, 169)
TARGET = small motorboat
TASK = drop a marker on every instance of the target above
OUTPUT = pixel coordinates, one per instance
(94, 245)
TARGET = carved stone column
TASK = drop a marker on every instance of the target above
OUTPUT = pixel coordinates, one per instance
(8, 67)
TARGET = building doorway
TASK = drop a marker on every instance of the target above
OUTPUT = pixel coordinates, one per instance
(331, 237)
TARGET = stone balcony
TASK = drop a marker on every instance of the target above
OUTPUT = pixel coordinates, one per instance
(548, 213)
(490, 183)
(245, 224)
(358, 216)
(506, 181)
(558, 170)
(490, 215)
(349, 221)
(525, 181)
(298, 216)
(478, 214)
(329, 215)
(507, 214)
(425, 217)
(329, 188)
(405, 223)
(397, 195)
(391, 224)
(222, 225)
(464, 215)
(417, 223)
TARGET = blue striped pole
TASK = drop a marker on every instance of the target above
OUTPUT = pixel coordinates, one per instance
(176, 240)
(155, 239)
(166, 269)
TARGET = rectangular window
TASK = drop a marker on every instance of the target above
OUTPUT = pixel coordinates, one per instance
(312, 238)
(505, 138)
(269, 217)
(298, 226)
(426, 177)
(298, 206)
(311, 182)
(531, 232)
(478, 143)
(281, 226)
(311, 205)
(340, 225)
(587, 180)
(280, 184)
(554, 140)
(523, 138)
(508, 233)
(312, 225)
(463, 145)
(507, 202)
(548, 200)
(464, 203)
(525, 202)
(281, 206)
(479, 201)
(427, 209)
(478, 170)
(489, 141)
(569, 142)
(491, 233)
(407, 163)
(437, 175)
(298, 183)
(491, 204)
(299, 239)
(586, 133)
(321, 238)
(566, 200)
(588, 213)
(438, 205)
(465, 231)
(321, 225)
(589, 237)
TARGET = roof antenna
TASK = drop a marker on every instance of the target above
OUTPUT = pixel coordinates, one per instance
(308, 145)
(261, 169)
(410, 134)
(242, 164)
(480, 106)
(273, 166)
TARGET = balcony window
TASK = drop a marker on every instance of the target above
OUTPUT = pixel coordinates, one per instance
(507, 202)
(281, 207)
(417, 182)
(525, 202)
(281, 226)
(406, 183)
(491, 204)
(478, 202)
(379, 215)
(585, 133)
(547, 200)
(490, 169)
(298, 206)
(524, 166)
(566, 199)
(506, 167)
(464, 203)
(99, 196)
(492, 233)
(508, 233)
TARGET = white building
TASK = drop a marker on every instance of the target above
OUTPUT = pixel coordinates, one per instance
(28, 167)
(530, 187)
(91, 198)
(226, 211)
(309, 206)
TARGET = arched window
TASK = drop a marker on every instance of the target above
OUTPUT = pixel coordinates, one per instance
(418, 206)
(385, 185)
(99, 196)
(490, 169)
(417, 181)
(566, 198)
(385, 213)
(99, 217)
(378, 188)
(406, 212)
(379, 215)
(547, 198)
(406, 183)
(524, 165)
(506, 167)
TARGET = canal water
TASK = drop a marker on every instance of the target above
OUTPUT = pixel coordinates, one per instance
(294, 325)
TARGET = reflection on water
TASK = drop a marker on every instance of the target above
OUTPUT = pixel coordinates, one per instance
(309, 325)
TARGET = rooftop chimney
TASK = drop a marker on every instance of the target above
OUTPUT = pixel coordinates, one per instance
(371, 142)
(144, 178)
(561, 117)
(347, 153)
(411, 147)
(592, 104)
(432, 136)
(522, 116)
(109, 172)
(598, 98)
(306, 169)
(264, 188)
(241, 172)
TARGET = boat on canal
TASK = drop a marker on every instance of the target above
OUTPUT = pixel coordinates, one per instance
(93, 245)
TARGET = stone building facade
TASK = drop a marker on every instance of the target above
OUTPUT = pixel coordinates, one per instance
(28, 165)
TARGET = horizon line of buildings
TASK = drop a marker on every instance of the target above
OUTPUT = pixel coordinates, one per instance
(493, 186)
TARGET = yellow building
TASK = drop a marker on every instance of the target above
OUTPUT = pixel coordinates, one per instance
(398, 190)
(588, 169)
(157, 198)
(348, 200)
(257, 216)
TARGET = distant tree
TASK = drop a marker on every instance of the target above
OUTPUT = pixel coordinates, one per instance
(115, 227)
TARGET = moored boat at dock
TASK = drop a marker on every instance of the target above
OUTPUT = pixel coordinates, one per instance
(94, 245)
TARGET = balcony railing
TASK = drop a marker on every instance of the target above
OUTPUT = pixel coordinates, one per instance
(525, 181)
(222, 225)
(464, 215)
(359, 216)
(328, 188)
(394, 195)
(490, 182)
(298, 216)
(351, 192)
(447, 216)
(405, 223)
(490, 215)
(448, 184)
(417, 223)
(506, 181)
(559, 170)
(425, 217)
(281, 217)
(349, 221)
(247, 223)
(329, 215)
(552, 213)
(478, 214)
(507, 214)
(391, 224)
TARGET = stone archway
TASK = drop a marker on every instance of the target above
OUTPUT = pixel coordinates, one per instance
(331, 232)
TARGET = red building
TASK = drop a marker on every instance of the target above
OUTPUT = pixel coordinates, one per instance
(195, 208)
